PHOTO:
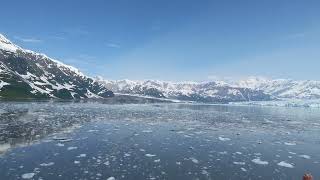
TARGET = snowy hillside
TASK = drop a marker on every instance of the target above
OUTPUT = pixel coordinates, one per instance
(283, 88)
(188, 91)
(27, 74)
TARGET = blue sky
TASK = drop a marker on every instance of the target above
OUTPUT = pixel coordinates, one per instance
(172, 39)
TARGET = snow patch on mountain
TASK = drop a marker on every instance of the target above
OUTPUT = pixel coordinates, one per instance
(27, 74)
(283, 88)
(3, 84)
(7, 45)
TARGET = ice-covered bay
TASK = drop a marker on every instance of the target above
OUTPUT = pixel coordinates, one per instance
(64, 140)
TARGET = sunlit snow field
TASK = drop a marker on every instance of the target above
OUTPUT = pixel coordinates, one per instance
(65, 140)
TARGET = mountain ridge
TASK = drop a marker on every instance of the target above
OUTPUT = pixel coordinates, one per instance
(26, 74)
(277, 89)
(283, 88)
(208, 92)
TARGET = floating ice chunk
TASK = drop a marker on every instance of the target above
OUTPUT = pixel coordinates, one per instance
(239, 163)
(47, 164)
(223, 152)
(243, 169)
(4, 147)
(60, 144)
(107, 163)
(290, 143)
(72, 148)
(292, 153)
(111, 178)
(178, 163)
(205, 172)
(238, 152)
(150, 155)
(27, 175)
(92, 130)
(259, 161)
(305, 156)
(147, 131)
(285, 164)
(82, 156)
(76, 162)
(194, 160)
(157, 160)
(223, 139)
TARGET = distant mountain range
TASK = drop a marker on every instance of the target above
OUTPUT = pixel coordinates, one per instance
(25, 74)
(209, 92)
(283, 88)
(250, 89)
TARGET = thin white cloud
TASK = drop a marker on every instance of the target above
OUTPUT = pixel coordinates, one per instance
(78, 31)
(57, 37)
(296, 35)
(113, 45)
(29, 40)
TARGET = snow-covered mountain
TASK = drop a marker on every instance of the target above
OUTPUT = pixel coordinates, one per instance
(250, 89)
(283, 88)
(27, 74)
(189, 91)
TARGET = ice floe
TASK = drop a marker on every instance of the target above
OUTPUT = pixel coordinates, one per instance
(290, 143)
(285, 164)
(27, 175)
(72, 148)
(223, 138)
(239, 163)
(194, 160)
(82, 156)
(259, 161)
(47, 164)
(4, 148)
(147, 131)
(150, 155)
(243, 169)
(305, 156)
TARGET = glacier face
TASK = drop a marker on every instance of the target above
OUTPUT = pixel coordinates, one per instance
(27, 74)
